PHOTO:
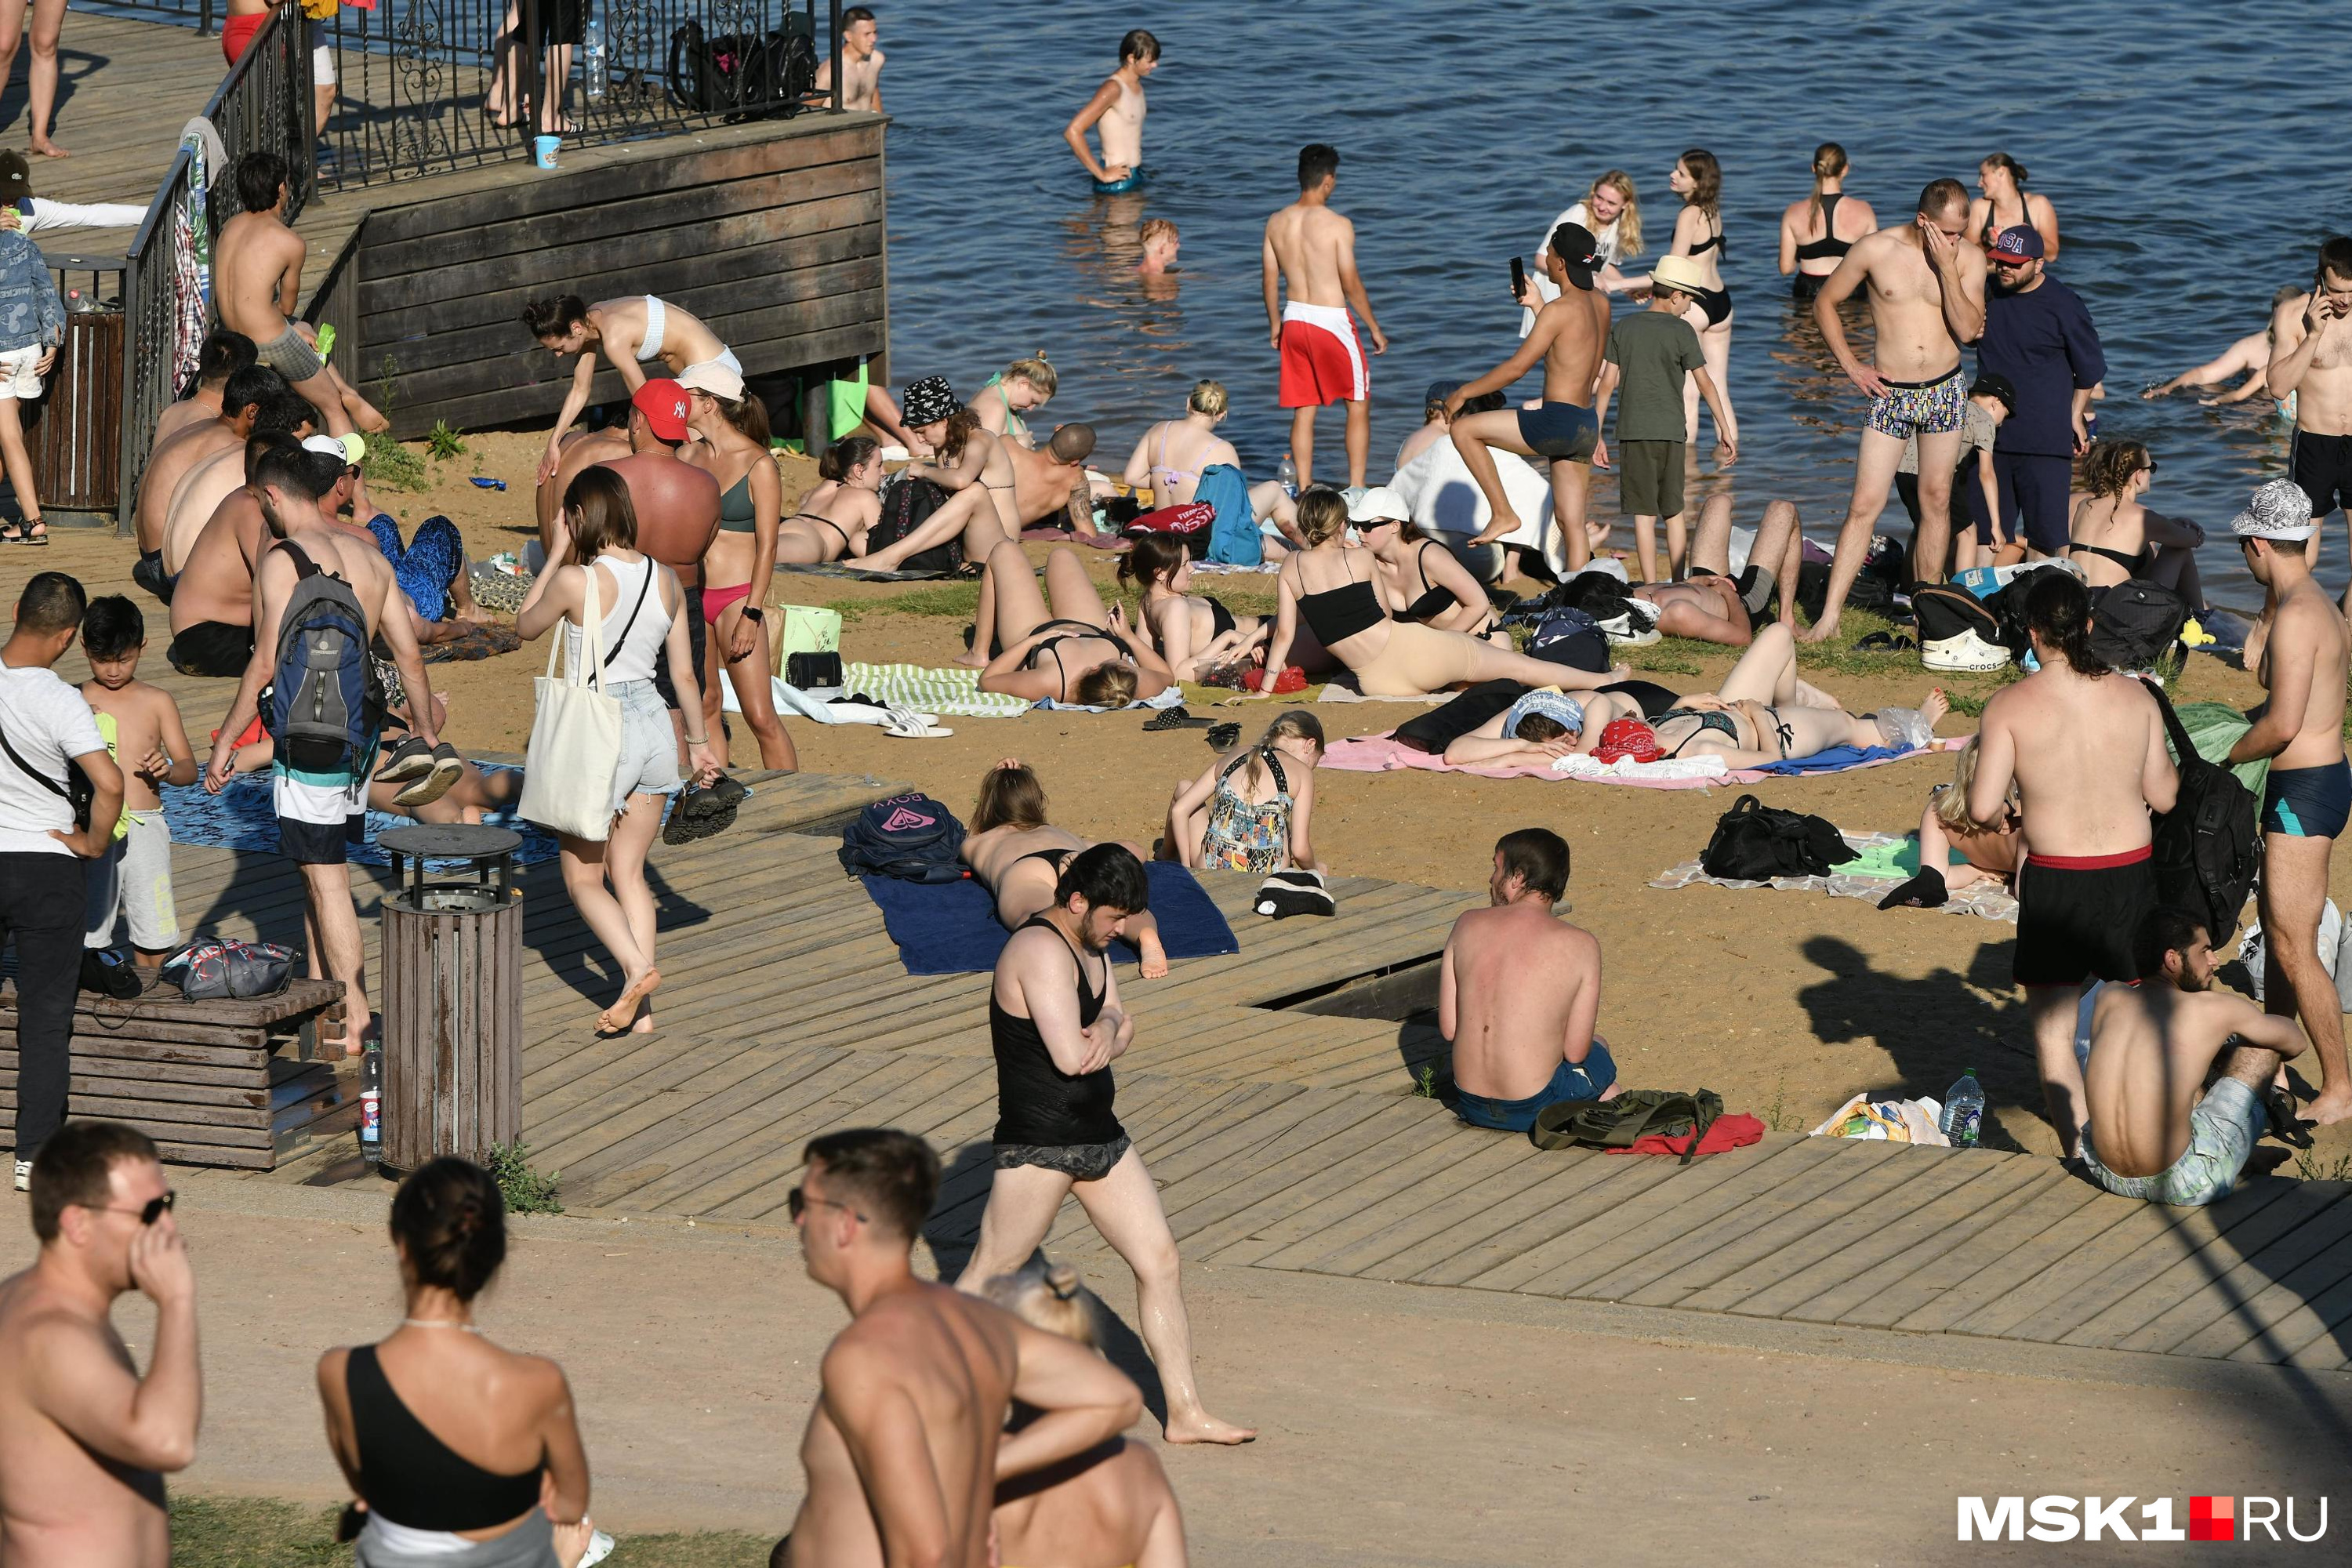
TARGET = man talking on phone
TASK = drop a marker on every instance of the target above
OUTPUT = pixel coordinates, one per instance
(1567, 336)
(2311, 362)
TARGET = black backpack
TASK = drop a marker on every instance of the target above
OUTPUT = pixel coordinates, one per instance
(2205, 846)
(1755, 843)
(1617, 1124)
(1944, 611)
(909, 837)
(905, 506)
(2134, 625)
(743, 76)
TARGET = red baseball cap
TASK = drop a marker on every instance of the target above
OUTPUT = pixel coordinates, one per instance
(663, 402)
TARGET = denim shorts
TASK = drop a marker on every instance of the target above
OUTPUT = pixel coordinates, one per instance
(1587, 1079)
(648, 762)
(2221, 1133)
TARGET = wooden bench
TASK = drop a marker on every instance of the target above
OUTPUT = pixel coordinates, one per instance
(214, 1083)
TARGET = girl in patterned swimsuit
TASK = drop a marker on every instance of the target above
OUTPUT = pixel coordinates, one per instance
(1250, 809)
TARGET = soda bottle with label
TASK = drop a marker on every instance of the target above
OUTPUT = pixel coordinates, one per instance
(371, 1104)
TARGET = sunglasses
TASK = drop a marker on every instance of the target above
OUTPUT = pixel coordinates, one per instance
(798, 1202)
(2152, 465)
(150, 1211)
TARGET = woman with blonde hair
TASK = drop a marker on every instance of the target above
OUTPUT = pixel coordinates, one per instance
(1247, 812)
(1986, 854)
(1697, 178)
(1816, 233)
(1021, 387)
(1019, 856)
(1174, 453)
(1331, 588)
(2115, 539)
(1611, 211)
(1110, 1507)
(1195, 633)
(637, 603)
(1060, 644)
(2005, 203)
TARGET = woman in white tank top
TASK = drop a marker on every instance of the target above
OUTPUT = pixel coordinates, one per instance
(638, 599)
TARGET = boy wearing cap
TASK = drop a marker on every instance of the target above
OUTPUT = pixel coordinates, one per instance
(1975, 507)
(2309, 794)
(1567, 336)
(1651, 352)
(2038, 334)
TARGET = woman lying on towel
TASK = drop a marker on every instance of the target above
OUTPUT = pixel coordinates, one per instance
(1019, 856)
(1192, 632)
(1764, 714)
(1540, 725)
(1076, 651)
(1988, 854)
(831, 520)
(1329, 587)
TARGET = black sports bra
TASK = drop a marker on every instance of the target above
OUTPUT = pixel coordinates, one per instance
(411, 1477)
(1338, 614)
(1712, 242)
(1829, 248)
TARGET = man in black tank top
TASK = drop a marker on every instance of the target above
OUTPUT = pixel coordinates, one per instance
(1055, 1023)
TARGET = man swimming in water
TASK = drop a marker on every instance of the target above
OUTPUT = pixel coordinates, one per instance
(1926, 298)
(1567, 336)
(1312, 251)
(860, 63)
(1115, 113)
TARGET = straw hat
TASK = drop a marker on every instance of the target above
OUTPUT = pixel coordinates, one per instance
(1680, 272)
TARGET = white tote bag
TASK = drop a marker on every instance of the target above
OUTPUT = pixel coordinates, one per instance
(575, 737)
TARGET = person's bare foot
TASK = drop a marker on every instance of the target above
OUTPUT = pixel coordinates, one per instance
(2328, 1108)
(1203, 1427)
(970, 658)
(474, 613)
(1503, 521)
(48, 149)
(624, 1010)
(364, 414)
(1155, 964)
(643, 1025)
(1820, 631)
(1934, 706)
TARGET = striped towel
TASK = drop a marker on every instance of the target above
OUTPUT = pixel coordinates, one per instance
(952, 690)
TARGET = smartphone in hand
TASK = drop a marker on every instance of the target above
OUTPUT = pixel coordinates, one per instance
(1518, 277)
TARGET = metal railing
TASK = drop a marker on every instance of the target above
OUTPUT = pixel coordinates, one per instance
(428, 86)
(262, 105)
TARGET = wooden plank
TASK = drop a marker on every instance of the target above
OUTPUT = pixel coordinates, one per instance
(2144, 1287)
(1583, 1184)
(1498, 1171)
(1946, 1291)
(2261, 1285)
(1887, 1259)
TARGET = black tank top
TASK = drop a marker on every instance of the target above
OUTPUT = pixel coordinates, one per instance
(411, 1477)
(1829, 245)
(1037, 1103)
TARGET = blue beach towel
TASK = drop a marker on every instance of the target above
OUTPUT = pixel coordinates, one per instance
(1837, 759)
(950, 928)
(1233, 538)
(241, 817)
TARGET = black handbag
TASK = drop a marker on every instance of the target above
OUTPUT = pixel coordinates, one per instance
(743, 76)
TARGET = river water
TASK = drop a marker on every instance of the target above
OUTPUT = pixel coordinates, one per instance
(2192, 172)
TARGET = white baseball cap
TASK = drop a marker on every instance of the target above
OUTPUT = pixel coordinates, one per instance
(712, 377)
(1378, 505)
(351, 448)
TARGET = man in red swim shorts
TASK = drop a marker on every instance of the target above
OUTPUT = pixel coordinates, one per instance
(1314, 248)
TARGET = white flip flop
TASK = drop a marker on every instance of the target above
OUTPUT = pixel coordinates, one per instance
(905, 725)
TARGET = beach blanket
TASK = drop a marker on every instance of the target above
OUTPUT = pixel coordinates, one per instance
(484, 639)
(241, 817)
(909, 686)
(843, 569)
(1380, 753)
(950, 928)
(1881, 861)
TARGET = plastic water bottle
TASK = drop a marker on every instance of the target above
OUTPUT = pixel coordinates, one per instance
(592, 60)
(371, 1104)
(1286, 476)
(1963, 1116)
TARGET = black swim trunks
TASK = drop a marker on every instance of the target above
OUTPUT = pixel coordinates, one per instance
(212, 647)
(695, 638)
(2077, 915)
(2323, 467)
(1560, 430)
(1080, 1161)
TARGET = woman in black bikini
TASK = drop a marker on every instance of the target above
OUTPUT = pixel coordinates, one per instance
(831, 520)
(465, 1453)
(2007, 204)
(1018, 855)
(2115, 539)
(1765, 714)
(1420, 578)
(1194, 632)
(1816, 233)
(733, 451)
(1076, 651)
(1697, 178)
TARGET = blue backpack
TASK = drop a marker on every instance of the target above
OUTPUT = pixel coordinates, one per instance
(323, 712)
(910, 836)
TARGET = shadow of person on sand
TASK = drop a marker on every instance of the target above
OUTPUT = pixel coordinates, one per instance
(1934, 1028)
(952, 1232)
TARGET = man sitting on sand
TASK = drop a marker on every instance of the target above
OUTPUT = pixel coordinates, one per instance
(1517, 992)
(1049, 486)
(2152, 1048)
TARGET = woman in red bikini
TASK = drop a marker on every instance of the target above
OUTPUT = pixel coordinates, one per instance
(731, 445)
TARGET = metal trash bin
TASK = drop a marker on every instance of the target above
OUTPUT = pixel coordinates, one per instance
(452, 995)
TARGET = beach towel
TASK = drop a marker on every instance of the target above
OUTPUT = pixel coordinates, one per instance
(851, 570)
(1233, 539)
(1172, 698)
(1881, 861)
(243, 818)
(951, 928)
(1380, 753)
(951, 689)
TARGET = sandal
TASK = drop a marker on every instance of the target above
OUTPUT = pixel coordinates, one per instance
(1221, 736)
(1174, 718)
(22, 532)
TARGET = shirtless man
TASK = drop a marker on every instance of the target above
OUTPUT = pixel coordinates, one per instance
(907, 1442)
(1311, 251)
(1926, 298)
(297, 490)
(1713, 604)
(208, 483)
(1567, 336)
(2086, 749)
(2309, 794)
(678, 517)
(632, 333)
(257, 285)
(2155, 1131)
(861, 63)
(84, 1439)
(1518, 990)
(1045, 480)
(578, 449)
(1116, 114)
(2311, 362)
(223, 356)
(238, 406)
(212, 599)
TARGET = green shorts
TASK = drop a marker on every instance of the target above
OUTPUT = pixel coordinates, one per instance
(1650, 478)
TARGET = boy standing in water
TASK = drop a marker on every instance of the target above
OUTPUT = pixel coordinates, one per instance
(141, 726)
(1116, 113)
(1649, 354)
(1312, 251)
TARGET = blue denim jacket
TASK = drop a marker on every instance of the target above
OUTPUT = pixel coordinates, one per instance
(31, 314)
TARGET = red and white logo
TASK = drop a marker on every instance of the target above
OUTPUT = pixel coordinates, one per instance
(2058, 1519)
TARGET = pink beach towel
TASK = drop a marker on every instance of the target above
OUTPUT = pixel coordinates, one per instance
(1381, 754)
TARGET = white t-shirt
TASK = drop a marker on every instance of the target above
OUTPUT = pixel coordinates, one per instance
(46, 723)
(1436, 487)
(1546, 289)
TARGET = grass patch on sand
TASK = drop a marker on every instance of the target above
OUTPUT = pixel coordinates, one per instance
(948, 601)
(265, 1533)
